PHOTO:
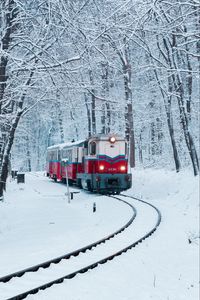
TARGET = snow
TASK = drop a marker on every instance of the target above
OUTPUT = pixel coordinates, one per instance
(63, 145)
(37, 224)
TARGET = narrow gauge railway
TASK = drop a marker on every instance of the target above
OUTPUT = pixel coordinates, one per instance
(78, 262)
(36, 174)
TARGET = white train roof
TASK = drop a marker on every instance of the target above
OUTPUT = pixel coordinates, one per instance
(68, 144)
(98, 137)
(103, 137)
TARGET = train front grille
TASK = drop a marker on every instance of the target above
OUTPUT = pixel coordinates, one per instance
(113, 181)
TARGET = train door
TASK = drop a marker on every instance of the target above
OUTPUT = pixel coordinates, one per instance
(80, 159)
(84, 157)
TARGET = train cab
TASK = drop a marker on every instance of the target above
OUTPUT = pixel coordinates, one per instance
(106, 164)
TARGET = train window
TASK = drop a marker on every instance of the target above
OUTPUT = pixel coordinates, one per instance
(54, 155)
(58, 154)
(70, 155)
(92, 148)
(74, 154)
(51, 155)
(85, 149)
(67, 154)
(64, 153)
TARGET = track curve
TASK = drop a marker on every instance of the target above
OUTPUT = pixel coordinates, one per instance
(89, 247)
(66, 256)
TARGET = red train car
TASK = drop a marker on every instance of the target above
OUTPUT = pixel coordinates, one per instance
(53, 162)
(99, 163)
(64, 160)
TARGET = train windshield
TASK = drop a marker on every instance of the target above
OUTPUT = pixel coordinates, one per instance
(112, 150)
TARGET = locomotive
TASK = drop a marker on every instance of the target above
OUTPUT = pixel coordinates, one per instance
(99, 164)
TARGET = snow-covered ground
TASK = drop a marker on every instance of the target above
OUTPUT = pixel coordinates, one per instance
(37, 223)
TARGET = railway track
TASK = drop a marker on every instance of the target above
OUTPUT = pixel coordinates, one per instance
(108, 247)
(36, 174)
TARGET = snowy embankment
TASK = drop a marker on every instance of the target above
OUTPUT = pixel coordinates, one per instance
(37, 223)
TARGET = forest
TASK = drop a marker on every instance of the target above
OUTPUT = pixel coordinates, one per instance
(73, 68)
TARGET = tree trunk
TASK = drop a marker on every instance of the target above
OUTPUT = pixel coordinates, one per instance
(60, 121)
(129, 131)
(88, 115)
(106, 114)
(103, 119)
(5, 164)
(28, 156)
(167, 104)
(108, 117)
(5, 42)
(93, 105)
(11, 135)
(177, 83)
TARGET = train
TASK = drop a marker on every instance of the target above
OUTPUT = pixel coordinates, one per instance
(97, 164)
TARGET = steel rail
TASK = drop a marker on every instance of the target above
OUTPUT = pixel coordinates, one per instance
(102, 261)
(145, 202)
(56, 260)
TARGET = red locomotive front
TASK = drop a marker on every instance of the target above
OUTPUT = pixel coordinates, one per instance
(105, 164)
(99, 163)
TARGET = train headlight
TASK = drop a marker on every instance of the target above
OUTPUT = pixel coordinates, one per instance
(122, 168)
(101, 167)
(112, 139)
